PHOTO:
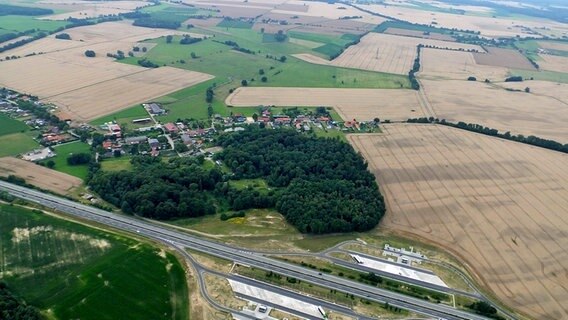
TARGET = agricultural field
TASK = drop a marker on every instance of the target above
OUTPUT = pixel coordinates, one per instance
(553, 63)
(39, 176)
(9, 125)
(418, 34)
(71, 271)
(486, 25)
(492, 106)
(23, 23)
(506, 58)
(387, 53)
(17, 143)
(498, 205)
(457, 65)
(330, 11)
(360, 104)
(88, 88)
(93, 9)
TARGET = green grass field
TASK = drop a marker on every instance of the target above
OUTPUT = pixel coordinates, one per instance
(16, 143)
(169, 12)
(23, 23)
(116, 164)
(64, 151)
(212, 57)
(71, 271)
(123, 116)
(541, 75)
(235, 24)
(9, 125)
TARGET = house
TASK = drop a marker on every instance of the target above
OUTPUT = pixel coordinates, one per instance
(171, 128)
(114, 130)
(186, 139)
(107, 145)
(155, 109)
(154, 143)
(135, 140)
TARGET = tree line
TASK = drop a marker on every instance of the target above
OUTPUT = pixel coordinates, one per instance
(415, 68)
(10, 10)
(13, 307)
(324, 184)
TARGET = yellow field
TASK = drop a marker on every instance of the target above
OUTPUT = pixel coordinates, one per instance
(458, 65)
(492, 106)
(553, 63)
(39, 176)
(500, 206)
(360, 104)
(385, 53)
(88, 88)
(88, 9)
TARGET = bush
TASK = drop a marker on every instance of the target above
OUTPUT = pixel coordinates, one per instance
(90, 53)
(78, 159)
(63, 36)
(514, 79)
(472, 79)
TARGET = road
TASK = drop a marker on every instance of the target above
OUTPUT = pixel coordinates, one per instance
(242, 257)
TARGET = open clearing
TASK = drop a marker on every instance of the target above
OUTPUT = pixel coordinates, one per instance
(385, 53)
(492, 106)
(457, 65)
(88, 88)
(360, 104)
(500, 57)
(500, 206)
(39, 176)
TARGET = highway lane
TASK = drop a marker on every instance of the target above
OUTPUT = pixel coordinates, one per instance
(243, 257)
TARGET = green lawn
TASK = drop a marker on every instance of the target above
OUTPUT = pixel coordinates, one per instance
(212, 58)
(123, 116)
(9, 125)
(23, 23)
(541, 75)
(64, 151)
(170, 12)
(235, 24)
(17, 143)
(71, 271)
(116, 164)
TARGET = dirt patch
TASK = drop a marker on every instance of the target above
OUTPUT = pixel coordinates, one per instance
(220, 290)
(492, 106)
(500, 206)
(360, 104)
(39, 176)
(506, 58)
(388, 53)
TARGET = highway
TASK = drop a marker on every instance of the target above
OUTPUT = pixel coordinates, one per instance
(239, 256)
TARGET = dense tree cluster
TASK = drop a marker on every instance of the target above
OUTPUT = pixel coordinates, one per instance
(485, 309)
(153, 23)
(415, 68)
(189, 40)
(78, 159)
(13, 308)
(63, 36)
(154, 189)
(325, 185)
(42, 113)
(514, 79)
(90, 53)
(147, 63)
(8, 10)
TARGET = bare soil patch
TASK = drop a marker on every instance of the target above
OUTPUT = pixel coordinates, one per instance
(498, 205)
(492, 106)
(39, 176)
(360, 104)
(500, 57)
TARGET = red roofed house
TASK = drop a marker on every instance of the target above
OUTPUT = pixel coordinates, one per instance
(171, 128)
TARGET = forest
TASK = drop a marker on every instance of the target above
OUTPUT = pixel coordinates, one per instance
(319, 185)
(325, 184)
(13, 308)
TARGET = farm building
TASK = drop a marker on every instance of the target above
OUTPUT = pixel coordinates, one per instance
(171, 128)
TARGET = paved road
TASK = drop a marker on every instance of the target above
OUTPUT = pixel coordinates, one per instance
(243, 257)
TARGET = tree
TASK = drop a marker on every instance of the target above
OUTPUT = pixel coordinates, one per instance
(527, 90)
(261, 30)
(255, 117)
(244, 83)
(117, 153)
(261, 72)
(169, 38)
(144, 49)
(377, 120)
(193, 55)
(471, 78)
(283, 59)
(90, 53)
(63, 36)
(78, 159)
(280, 36)
(264, 79)
(209, 95)
(50, 164)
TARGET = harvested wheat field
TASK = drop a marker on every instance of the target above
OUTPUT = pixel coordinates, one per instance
(88, 88)
(330, 11)
(360, 104)
(506, 58)
(492, 106)
(39, 176)
(458, 65)
(500, 206)
(387, 53)
(93, 9)
(558, 91)
(553, 63)
(553, 45)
